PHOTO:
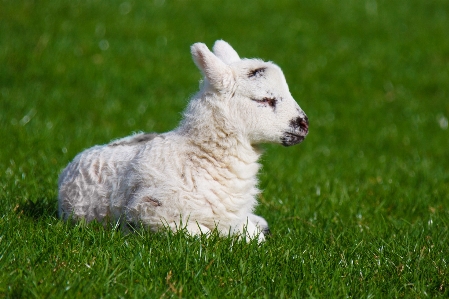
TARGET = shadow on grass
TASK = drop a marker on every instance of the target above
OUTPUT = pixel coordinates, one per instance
(41, 207)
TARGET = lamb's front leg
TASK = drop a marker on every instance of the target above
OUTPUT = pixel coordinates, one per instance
(196, 229)
(250, 231)
(193, 228)
(261, 223)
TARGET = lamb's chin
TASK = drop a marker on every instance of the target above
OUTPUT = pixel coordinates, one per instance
(290, 139)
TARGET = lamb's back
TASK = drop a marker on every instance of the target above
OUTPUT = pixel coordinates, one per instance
(94, 176)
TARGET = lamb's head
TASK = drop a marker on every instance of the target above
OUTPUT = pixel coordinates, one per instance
(253, 94)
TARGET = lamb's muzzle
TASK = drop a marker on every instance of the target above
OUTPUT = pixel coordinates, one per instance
(299, 130)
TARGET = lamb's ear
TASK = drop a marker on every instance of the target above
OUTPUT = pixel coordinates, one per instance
(225, 52)
(216, 71)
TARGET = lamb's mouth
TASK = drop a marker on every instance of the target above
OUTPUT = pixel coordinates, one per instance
(291, 139)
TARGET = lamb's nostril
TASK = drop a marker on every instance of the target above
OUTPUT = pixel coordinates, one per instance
(301, 123)
(306, 119)
(304, 124)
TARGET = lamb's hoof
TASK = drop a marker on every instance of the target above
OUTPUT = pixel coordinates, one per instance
(266, 231)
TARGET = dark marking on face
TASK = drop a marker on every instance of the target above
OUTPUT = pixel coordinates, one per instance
(299, 130)
(270, 101)
(256, 73)
(300, 124)
(291, 139)
(140, 138)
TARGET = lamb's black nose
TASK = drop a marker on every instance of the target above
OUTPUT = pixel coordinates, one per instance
(301, 123)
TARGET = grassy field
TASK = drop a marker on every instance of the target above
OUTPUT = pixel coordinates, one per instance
(360, 209)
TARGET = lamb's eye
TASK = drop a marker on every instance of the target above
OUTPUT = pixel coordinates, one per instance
(270, 101)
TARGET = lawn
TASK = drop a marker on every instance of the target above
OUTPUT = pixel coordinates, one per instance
(360, 209)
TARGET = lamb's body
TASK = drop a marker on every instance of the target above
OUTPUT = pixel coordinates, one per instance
(201, 176)
(154, 180)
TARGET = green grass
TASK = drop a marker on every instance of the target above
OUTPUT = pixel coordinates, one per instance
(360, 209)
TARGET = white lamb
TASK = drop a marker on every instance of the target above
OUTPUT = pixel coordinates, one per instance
(202, 175)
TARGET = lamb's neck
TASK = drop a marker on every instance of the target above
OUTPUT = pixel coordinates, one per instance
(219, 144)
(215, 136)
(234, 163)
